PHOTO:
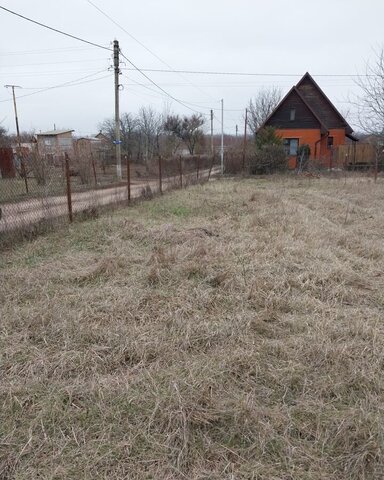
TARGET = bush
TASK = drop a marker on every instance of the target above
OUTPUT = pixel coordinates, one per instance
(270, 158)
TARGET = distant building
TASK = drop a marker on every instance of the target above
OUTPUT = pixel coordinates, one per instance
(55, 143)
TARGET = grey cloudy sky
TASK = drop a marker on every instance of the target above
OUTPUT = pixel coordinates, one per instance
(251, 36)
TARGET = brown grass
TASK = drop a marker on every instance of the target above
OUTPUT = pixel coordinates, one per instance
(229, 331)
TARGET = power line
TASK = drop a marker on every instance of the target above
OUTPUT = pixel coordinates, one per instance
(44, 51)
(72, 83)
(247, 74)
(158, 86)
(90, 60)
(158, 94)
(54, 29)
(144, 46)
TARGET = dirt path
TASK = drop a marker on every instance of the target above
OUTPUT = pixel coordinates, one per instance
(28, 212)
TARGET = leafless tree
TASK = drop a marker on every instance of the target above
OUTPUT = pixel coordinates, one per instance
(261, 106)
(187, 129)
(151, 126)
(370, 103)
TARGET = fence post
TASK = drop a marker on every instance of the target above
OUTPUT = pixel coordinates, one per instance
(24, 172)
(128, 178)
(160, 176)
(94, 169)
(69, 194)
(210, 167)
(197, 168)
(376, 163)
(181, 171)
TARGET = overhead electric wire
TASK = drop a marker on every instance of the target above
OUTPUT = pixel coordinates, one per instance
(160, 94)
(144, 46)
(55, 29)
(158, 86)
(44, 51)
(246, 74)
(90, 60)
(72, 83)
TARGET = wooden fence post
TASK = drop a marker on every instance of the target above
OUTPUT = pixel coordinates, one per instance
(128, 178)
(160, 176)
(69, 193)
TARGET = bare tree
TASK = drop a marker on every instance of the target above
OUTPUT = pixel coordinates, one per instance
(261, 106)
(151, 126)
(187, 129)
(370, 103)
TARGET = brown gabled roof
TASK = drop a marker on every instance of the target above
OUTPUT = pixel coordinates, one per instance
(294, 89)
(308, 76)
(307, 103)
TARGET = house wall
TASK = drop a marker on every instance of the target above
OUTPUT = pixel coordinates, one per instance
(306, 136)
(311, 137)
(58, 144)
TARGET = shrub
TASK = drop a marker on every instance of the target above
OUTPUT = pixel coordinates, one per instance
(268, 159)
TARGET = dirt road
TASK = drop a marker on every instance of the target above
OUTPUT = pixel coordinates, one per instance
(32, 211)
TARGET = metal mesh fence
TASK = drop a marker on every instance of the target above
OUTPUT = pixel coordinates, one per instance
(41, 192)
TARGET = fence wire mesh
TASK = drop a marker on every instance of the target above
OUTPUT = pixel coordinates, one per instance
(39, 192)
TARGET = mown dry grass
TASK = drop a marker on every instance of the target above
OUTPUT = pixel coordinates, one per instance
(229, 331)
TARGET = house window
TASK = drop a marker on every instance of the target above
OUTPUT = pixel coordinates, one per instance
(291, 145)
(330, 142)
(292, 114)
(47, 141)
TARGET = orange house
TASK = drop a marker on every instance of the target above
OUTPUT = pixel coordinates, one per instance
(307, 116)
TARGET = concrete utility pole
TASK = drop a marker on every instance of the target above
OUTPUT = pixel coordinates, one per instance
(212, 151)
(222, 137)
(116, 63)
(19, 155)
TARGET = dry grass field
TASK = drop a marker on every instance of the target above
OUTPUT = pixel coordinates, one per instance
(233, 330)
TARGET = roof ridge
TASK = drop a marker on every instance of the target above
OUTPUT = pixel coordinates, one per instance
(309, 76)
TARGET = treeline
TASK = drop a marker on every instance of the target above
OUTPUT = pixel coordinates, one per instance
(150, 133)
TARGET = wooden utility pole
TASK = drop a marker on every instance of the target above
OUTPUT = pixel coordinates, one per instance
(116, 63)
(22, 165)
(245, 137)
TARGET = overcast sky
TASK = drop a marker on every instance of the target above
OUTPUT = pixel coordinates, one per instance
(331, 37)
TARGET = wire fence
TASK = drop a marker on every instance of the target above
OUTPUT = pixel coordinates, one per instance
(37, 193)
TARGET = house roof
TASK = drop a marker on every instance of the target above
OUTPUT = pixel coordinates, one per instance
(294, 90)
(312, 105)
(54, 132)
(309, 77)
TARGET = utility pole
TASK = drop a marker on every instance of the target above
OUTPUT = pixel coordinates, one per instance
(222, 136)
(116, 63)
(23, 170)
(245, 137)
(212, 151)
(237, 130)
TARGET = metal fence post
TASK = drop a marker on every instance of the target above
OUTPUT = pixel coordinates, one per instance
(160, 176)
(197, 168)
(128, 178)
(94, 169)
(181, 171)
(69, 193)
(210, 167)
